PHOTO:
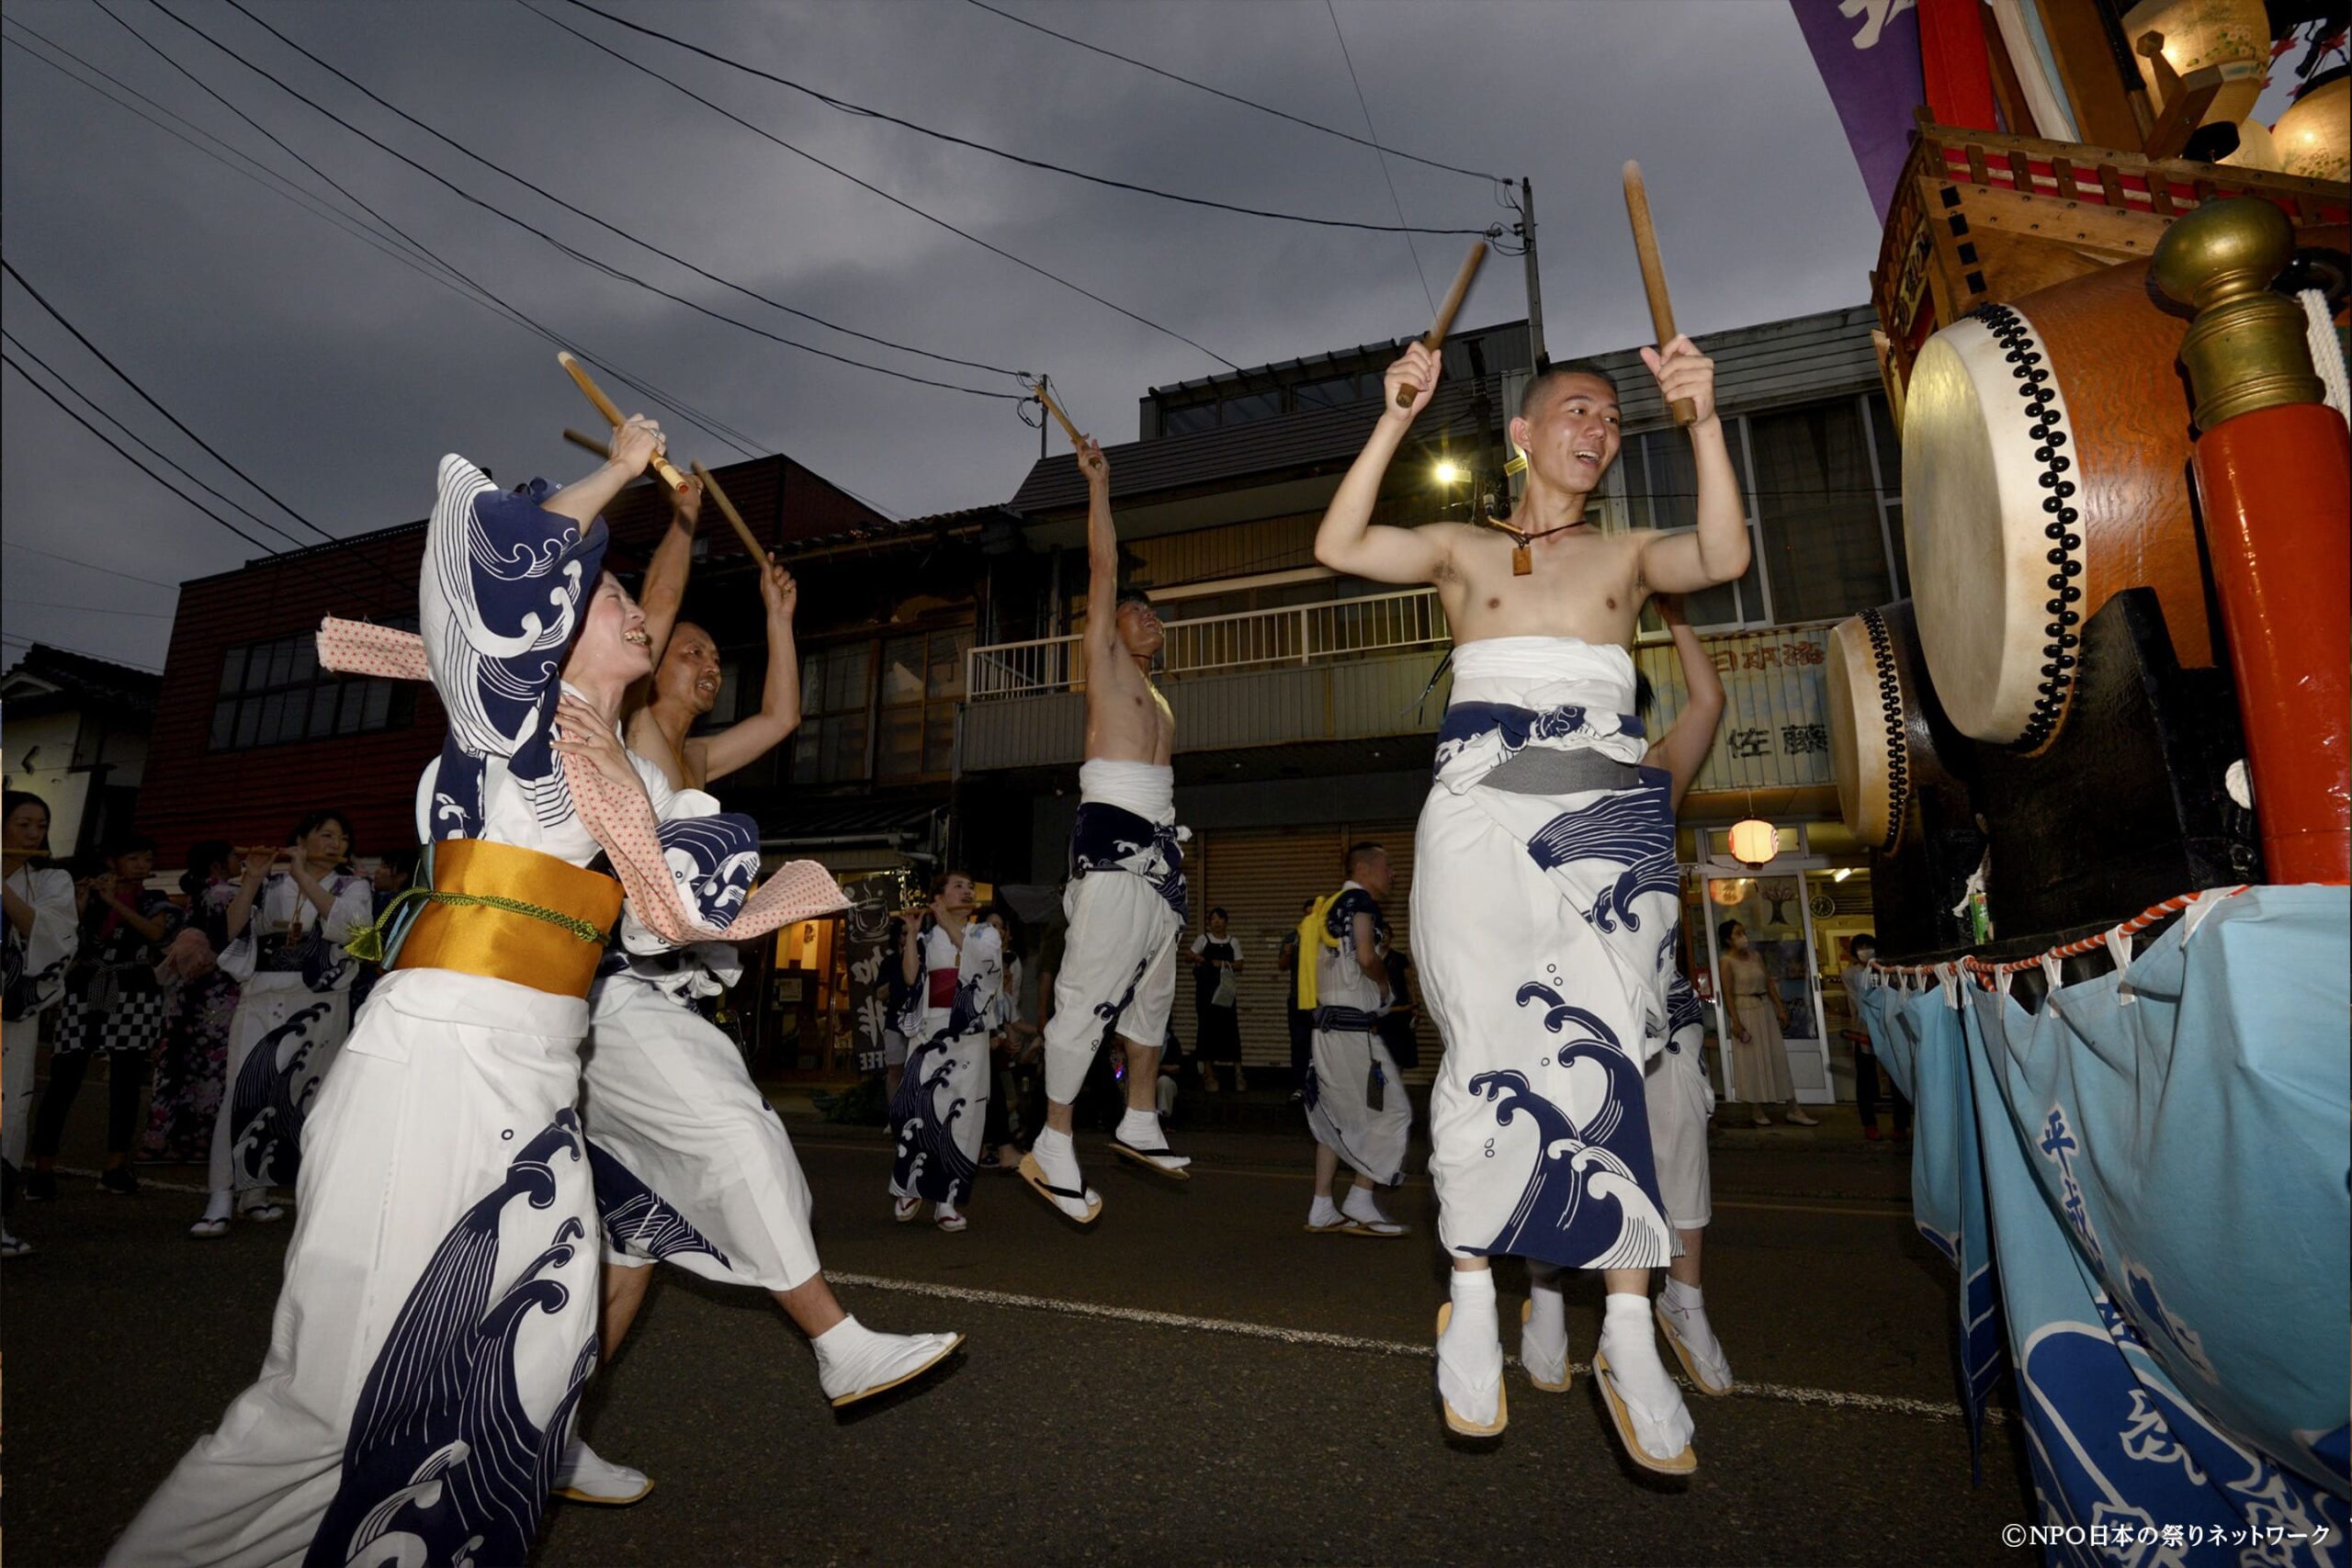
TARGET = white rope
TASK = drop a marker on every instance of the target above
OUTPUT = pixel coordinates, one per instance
(2327, 351)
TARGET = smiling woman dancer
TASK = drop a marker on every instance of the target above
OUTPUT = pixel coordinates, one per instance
(437, 1320)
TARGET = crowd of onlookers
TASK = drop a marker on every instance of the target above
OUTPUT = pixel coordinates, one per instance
(137, 987)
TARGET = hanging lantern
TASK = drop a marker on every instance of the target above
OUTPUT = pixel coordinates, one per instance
(1730, 892)
(2231, 35)
(2256, 150)
(1755, 841)
(2312, 137)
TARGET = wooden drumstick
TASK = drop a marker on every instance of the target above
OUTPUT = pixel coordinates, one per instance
(1637, 208)
(727, 510)
(709, 485)
(661, 465)
(1444, 322)
(1055, 409)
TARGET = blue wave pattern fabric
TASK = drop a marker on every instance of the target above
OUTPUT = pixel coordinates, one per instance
(1542, 927)
(940, 1113)
(2168, 1182)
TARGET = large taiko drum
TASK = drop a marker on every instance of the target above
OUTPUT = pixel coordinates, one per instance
(1894, 755)
(2046, 455)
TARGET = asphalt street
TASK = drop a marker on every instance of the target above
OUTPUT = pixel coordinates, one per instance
(1196, 1380)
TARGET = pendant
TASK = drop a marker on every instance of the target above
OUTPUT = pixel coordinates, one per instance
(1523, 564)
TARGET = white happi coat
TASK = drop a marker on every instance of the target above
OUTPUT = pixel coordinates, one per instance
(1543, 926)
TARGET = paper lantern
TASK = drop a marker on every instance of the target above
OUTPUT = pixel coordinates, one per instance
(1754, 841)
(2232, 35)
(1729, 892)
(2312, 137)
(2255, 148)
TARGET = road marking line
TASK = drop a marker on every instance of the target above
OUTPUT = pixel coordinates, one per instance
(1875, 1403)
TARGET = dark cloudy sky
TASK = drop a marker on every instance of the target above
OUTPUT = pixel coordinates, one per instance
(336, 375)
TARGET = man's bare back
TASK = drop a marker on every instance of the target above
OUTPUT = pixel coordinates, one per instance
(1581, 582)
(1127, 718)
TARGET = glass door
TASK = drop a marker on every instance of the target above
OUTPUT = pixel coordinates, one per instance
(1772, 906)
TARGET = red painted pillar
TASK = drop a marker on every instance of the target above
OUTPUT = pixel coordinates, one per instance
(2275, 484)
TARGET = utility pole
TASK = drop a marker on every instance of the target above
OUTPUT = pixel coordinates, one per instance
(1043, 382)
(1526, 232)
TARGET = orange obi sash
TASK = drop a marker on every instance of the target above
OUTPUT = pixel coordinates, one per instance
(498, 910)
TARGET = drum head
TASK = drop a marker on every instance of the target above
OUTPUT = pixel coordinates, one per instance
(1867, 749)
(2045, 447)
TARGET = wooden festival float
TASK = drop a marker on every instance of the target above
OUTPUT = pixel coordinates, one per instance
(2082, 708)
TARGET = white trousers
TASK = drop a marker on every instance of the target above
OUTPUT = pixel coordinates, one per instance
(1681, 1099)
(693, 1166)
(1370, 1141)
(438, 1317)
(1118, 974)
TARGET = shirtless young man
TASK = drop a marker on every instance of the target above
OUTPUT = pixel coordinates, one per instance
(1544, 872)
(686, 669)
(1126, 903)
(692, 1166)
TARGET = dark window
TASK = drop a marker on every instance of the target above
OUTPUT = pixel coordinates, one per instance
(1186, 420)
(1823, 542)
(1334, 392)
(274, 691)
(1245, 407)
(836, 699)
(1662, 491)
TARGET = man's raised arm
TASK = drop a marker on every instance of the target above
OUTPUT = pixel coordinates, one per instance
(1101, 549)
(1717, 550)
(739, 745)
(664, 589)
(1346, 540)
(1684, 749)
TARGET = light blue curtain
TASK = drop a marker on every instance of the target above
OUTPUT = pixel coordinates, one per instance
(2162, 1168)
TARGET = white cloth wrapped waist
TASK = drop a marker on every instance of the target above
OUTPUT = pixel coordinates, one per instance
(1555, 693)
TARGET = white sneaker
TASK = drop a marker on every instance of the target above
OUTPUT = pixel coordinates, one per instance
(862, 1364)
(584, 1478)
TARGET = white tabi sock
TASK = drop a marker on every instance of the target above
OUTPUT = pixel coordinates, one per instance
(1543, 1339)
(217, 1209)
(1140, 1130)
(852, 1357)
(1056, 1156)
(1686, 1309)
(1324, 1215)
(1661, 1425)
(1364, 1209)
(1470, 1352)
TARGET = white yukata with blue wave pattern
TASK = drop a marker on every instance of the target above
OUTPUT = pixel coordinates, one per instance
(941, 1112)
(1542, 924)
(436, 1325)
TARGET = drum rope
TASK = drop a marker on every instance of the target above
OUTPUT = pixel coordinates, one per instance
(2026, 358)
(2327, 351)
(1989, 973)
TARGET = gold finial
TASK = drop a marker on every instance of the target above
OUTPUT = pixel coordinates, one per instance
(2246, 349)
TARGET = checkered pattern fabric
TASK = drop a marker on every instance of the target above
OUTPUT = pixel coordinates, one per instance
(136, 1023)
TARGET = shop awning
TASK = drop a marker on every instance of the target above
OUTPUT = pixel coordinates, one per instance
(812, 826)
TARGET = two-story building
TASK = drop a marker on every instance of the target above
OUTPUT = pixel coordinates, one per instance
(76, 736)
(1304, 703)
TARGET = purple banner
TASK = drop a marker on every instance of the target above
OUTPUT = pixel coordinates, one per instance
(1868, 52)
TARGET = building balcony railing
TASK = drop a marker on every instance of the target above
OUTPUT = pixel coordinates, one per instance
(1352, 670)
(1302, 634)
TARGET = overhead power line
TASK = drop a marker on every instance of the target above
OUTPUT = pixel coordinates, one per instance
(739, 440)
(1378, 152)
(582, 256)
(845, 106)
(89, 609)
(151, 450)
(1229, 97)
(91, 565)
(605, 223)
(867, 185)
